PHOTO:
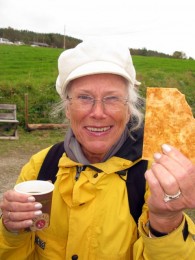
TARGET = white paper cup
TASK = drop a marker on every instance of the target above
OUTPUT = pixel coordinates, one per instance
(42, 191)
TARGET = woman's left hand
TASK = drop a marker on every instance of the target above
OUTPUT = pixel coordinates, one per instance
(171, 174)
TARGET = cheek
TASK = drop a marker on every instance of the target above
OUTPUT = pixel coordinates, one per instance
(74, 116)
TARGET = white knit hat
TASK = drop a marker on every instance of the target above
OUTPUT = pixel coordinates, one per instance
(94, 57)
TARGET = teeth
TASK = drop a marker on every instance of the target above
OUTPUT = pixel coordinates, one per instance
(95, 129)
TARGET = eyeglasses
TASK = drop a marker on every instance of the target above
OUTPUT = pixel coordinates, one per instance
(84, 102)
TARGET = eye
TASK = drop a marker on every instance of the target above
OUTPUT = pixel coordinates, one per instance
(85, 98)
(111, 99)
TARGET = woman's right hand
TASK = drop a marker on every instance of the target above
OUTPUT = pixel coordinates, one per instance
(18, 210)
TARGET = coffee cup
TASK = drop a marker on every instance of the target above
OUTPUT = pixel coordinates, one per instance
(42, 191)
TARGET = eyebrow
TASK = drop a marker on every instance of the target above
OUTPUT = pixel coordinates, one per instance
(106, 93)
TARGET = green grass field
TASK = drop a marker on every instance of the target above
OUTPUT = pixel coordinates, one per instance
(24, 69)
(166, 72)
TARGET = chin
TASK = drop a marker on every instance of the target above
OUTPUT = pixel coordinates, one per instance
(98, 149)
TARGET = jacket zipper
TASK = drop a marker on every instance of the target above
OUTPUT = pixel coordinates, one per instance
(78, 172)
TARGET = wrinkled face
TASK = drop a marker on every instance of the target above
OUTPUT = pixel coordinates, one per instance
(97, 125)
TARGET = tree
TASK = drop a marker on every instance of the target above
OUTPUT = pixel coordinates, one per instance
(179, 55)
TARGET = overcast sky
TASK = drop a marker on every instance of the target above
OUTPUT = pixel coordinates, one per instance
(161, 25)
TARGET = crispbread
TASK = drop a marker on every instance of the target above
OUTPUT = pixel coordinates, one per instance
(169, 120)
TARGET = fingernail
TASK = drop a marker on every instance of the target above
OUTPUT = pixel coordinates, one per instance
(166, 148)
(31, 199)
(29, 222)
(38, 206)
(38, 213)
(157, 156)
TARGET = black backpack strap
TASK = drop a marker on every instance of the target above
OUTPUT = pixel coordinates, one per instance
(49, 167)
(136, 187)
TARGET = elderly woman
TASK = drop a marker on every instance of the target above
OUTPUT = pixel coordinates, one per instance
(99, 185)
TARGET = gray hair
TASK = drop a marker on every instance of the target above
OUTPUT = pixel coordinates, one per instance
(136, 107)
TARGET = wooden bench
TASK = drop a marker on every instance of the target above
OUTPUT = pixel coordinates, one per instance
(8, 122)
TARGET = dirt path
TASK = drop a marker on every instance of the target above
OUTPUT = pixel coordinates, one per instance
(10, 167)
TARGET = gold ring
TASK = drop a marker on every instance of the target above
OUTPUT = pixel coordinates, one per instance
(168, 197)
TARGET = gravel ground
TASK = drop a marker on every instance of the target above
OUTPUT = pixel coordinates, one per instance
(11, 162)
(10, 167)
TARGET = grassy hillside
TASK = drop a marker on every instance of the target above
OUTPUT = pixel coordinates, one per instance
(24, 69)
(31, 70)
(167, 72)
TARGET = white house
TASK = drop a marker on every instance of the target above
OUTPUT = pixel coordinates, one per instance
(5, 41)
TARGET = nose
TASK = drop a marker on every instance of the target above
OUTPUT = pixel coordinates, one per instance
(98, 108)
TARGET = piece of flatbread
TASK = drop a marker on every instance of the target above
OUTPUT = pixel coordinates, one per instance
(168, 120)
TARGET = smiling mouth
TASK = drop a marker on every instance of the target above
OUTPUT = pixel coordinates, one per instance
(98, 129)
